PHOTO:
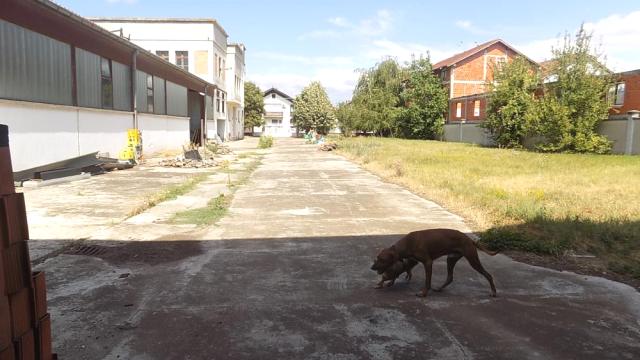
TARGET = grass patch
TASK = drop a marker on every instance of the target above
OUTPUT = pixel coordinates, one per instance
(265, 142)
(542, 203)
(215, 210)
(168, 193)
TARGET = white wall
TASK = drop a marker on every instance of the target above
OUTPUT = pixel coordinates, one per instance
(161, 132)
(40, 134)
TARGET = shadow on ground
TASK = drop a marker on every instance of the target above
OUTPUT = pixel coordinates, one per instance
(313, 298)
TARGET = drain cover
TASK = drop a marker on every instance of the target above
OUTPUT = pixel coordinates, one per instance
(86, 250)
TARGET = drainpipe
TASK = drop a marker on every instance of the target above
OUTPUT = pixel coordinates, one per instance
(633, 115)
(134, 86)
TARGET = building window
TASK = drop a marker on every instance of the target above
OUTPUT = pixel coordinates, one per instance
(164, 55)
(220, 66)
(458, 110)
(616, 94)
(182, 59)
(106, 83)
(224, 69)
(149, 93)
(223, 102)
(218, 101)
(476, 108)
(276, 122)
(273, 96)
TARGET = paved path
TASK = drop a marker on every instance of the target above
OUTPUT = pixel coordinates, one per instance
(289, 278)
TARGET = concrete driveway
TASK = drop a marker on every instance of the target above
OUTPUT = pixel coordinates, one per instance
(286, 276)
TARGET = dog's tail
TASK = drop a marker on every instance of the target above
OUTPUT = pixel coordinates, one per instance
(484, 249)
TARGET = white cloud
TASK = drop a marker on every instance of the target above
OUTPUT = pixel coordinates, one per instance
(463, 24)
(615, 36)
(306, 60)
(376, 25)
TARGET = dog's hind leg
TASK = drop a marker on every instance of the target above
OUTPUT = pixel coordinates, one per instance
(474, 261)
(452, 259)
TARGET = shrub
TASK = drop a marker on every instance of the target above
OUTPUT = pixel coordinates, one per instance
(265, 142)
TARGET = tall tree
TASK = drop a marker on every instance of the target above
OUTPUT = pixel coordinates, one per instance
(313, 110)
(574, 101)
(253, 105)
(425, 102)
(511, 103)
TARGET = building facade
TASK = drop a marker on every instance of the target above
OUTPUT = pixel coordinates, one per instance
(466, 74)
(235, 90)
(69, 87)
(198, 46)
(278, 108)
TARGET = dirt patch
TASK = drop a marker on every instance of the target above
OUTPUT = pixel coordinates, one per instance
(146, 252)
(583, 266)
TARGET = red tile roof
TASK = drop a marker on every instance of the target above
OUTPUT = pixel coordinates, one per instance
(465, 54)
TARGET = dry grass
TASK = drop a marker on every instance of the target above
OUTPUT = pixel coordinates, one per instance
(545, 203)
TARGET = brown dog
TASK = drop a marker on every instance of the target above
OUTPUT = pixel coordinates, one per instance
(394, 271)
(427, 245)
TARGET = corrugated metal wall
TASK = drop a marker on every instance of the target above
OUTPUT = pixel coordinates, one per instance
(159, 96)
(121, 86)
(176, 99)
(33, 67)
(141, 91)
(209, 105)
(88, 79)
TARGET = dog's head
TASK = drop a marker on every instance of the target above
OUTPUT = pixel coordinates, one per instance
(385, 259)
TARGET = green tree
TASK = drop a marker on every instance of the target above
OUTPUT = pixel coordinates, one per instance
(347, 116)
(377, 98)
(253, 105)
(425, 102)
(313, 110)
(511, 103)
(574, 101)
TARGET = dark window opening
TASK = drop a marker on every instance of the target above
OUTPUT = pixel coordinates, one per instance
(164, 55)
(273, 96)
(106, 83)
(150, 93)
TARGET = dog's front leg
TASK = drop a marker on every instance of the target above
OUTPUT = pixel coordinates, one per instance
(427, 278)
(380, 285)
(391, 282)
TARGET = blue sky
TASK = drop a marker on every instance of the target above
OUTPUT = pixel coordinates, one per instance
(290, 43)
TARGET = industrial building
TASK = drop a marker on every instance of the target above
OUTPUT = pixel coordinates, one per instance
(69, 87)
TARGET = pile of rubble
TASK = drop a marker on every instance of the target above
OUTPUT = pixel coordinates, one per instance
(329, 146)
(181, 162)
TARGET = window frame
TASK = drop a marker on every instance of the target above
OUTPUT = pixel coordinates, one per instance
(614, 93)
(183, 57)
(161, 56)
(476, 108)
(458, 110)
(106, 80)
(150, 94)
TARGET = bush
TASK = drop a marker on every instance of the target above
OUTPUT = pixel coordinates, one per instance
(265, 142)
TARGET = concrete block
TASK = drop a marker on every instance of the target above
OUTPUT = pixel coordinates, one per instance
(21, 304)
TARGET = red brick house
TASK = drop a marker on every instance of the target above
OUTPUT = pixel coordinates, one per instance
(625, 93)
(466, 75)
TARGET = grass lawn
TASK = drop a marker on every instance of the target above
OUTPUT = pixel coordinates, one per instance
(543, 203)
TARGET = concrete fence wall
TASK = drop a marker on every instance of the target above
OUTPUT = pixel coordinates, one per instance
(43, 133)
(624, 134)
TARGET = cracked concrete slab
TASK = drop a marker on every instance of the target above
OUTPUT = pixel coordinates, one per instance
(286, 275)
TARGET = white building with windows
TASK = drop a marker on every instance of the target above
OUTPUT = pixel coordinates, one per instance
(235, 90)
(278, 108)
(198, 46)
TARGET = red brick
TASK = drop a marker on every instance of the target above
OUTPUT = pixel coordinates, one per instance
(5, 322)
(6, 171)
(21, 304)
(43, 338)
(17, 267)
(40, 293)
(13, 218)
(8, 353)
(26, 346)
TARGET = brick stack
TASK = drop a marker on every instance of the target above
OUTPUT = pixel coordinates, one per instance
(25, 326)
